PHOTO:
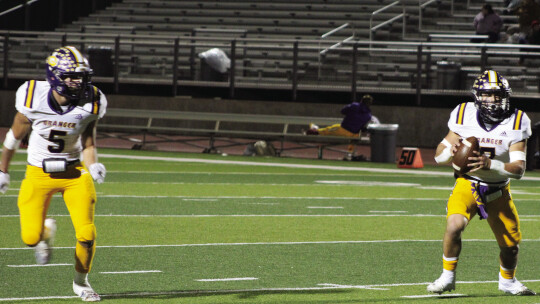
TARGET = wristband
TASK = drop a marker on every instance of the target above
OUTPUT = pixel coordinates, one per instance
(498, 166)
(11, 142)
(444, 157)
(446, 143)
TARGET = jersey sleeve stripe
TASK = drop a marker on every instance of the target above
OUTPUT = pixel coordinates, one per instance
(461, 113)
(30, 94)
(517, 121)
(95, 103)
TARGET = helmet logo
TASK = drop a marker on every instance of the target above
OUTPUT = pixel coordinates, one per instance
(52, 61)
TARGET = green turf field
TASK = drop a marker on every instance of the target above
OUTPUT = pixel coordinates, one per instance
(199, 228)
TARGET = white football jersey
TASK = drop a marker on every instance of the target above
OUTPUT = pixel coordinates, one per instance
(496, 142)
(56, 132)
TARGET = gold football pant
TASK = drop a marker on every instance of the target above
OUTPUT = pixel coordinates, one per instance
(79, 195)
(502, 214)
(337, 130)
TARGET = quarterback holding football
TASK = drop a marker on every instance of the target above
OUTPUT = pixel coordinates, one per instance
(502, 134)
(61, 114)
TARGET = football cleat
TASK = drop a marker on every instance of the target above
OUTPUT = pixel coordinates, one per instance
(86, 293)
(313, 126)
(43, 248)
(442, 284)
(514, 287)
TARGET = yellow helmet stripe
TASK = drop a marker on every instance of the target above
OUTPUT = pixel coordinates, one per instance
(78, 56)
(492, 76)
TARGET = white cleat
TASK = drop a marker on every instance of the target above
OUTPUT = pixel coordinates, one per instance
(313, 126)
(86, 293)
(442, 284)
(514, 287)
(43, 248)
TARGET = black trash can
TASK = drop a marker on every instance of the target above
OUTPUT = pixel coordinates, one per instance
(383, 142)
(100, 59)
(208, 73)
(448, 75)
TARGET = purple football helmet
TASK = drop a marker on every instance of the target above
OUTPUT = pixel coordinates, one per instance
(492, 97)
(68, 63)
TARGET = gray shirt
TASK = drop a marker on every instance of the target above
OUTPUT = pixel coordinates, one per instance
(490, 23)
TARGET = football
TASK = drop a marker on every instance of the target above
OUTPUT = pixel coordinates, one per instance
(464, 151)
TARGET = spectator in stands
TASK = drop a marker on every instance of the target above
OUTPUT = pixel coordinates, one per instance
(528, 11)
(487, 22)
(357, 117)
(512, 7)
(533, 37)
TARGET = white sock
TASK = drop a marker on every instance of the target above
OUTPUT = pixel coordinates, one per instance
(448, 273)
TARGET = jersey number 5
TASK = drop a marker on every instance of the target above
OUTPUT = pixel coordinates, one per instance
(54, 137)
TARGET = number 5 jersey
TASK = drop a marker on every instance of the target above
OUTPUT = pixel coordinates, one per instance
(56, 129)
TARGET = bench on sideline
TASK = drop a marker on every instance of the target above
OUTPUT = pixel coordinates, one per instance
(223, 125)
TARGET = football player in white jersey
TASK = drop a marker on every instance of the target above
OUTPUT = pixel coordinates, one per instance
(61, 114)
(502, 133)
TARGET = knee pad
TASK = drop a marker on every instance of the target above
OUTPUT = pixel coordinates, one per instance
(86, 233)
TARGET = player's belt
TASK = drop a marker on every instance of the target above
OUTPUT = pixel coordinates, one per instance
(488, 192)
(499, 185)
(58, 165)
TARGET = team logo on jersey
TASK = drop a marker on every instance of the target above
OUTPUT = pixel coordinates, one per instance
(78, 116)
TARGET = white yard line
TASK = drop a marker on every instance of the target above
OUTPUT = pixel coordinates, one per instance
(227, 279)
(250, 215)
(453, 295)
(257, 215)
(387, 211)
(231, 291)
(275, 243)
(131, 272)
(284, 165)
(38, 265)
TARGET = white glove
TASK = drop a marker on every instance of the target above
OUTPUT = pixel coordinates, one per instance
(98, 172)
(4, 182)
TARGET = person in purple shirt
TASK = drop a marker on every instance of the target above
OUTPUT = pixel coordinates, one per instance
(357, 117)
(487, 22)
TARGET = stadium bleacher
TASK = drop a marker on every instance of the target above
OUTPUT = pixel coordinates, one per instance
(265, 34)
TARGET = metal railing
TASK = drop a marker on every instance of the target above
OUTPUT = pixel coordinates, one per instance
(326, 35)
(16, 7)
(292, 74)
(403, 16)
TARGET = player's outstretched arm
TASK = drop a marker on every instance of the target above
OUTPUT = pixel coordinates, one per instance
(19, 129)
(88, 139)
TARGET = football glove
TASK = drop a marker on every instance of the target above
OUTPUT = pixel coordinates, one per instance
(4, 182)
(98, 172)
